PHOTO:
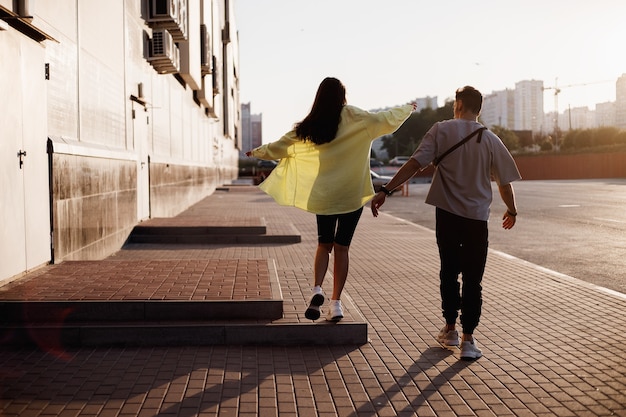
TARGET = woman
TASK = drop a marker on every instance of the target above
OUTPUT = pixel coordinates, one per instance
(324, 169)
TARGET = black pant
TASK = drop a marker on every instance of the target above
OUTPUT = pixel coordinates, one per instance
(462, 246)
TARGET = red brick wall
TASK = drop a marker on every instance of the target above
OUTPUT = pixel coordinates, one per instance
(550, 167)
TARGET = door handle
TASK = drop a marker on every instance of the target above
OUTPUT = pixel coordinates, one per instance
(21, 154)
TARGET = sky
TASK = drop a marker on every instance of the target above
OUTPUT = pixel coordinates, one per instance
(389, 52)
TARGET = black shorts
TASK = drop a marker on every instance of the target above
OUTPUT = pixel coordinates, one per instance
(337, 228)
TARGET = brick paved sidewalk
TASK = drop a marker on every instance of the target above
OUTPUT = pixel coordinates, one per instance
(146, 279)
(552, 345)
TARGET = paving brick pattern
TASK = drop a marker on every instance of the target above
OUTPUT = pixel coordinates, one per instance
(197, 279)
(552, 345)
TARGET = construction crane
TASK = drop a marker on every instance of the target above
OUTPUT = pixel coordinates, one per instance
(557, 91)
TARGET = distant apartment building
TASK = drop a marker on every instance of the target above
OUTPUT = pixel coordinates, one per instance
(605, 114)
(620, 102)
(517, 109)
(251, 129)
(256, 131)
(577, 118)
(498, 105)
(245, 128)
(529, 105)
(549, 123)
(522, 109)
(498, 109)
(426, 103)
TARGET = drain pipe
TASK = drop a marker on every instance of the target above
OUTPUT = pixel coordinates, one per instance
(23, 9)
(50, 150)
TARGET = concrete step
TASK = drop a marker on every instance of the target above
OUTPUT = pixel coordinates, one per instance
(56, 337)
(166, 231)
(199, 230)
(162, 302)
(214, 239)
(33, 312)
(54, 325)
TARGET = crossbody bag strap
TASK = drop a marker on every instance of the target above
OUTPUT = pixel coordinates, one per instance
(437, 160)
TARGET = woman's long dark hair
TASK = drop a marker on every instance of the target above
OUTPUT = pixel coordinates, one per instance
(321, 124)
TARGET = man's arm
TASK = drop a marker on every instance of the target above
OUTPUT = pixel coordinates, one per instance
(508, 197)
(403, 175)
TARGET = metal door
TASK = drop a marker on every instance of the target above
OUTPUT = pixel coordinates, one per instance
(24, 195)
(140, 137)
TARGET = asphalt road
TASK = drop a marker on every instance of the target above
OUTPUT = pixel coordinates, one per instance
(576, 227)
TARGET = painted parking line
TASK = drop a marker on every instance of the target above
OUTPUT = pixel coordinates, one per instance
(608, 220)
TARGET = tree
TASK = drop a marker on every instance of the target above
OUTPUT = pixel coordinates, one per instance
(605, 136)
(509, 138)
(546, 144)
(407, 138)
(620, 138)
(577, 139)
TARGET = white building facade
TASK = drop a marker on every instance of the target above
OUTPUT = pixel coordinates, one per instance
(120, 110)
(620, 102)
(605, 114)
(427, 102)
(529, 105)
(577, 118)
(499, 109)
(522, 109)
(251, 129)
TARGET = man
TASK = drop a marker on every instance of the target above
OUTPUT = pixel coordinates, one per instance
(461, 192)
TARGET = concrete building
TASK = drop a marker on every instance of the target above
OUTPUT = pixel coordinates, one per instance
(577, 118)
(518, 109)
(605, 114)
(499, 109)
(549, 123)
(529, 105)
(256, 130)
(620, 102)
(426, 103)
(251, 129)
(113, 112)
(523, 107)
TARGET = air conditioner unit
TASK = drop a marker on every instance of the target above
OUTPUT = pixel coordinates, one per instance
(163, 53)
(163, 10)
(175, 20)
(206, 61)
(183, 18)
(162, 44)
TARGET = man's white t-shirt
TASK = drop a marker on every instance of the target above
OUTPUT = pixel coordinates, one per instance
(462, 181)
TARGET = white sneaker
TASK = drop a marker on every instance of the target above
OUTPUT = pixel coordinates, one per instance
(317, 296)
(316, 300)
(448, 338)
(469, 351)
(335, 312)
(312, 312)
